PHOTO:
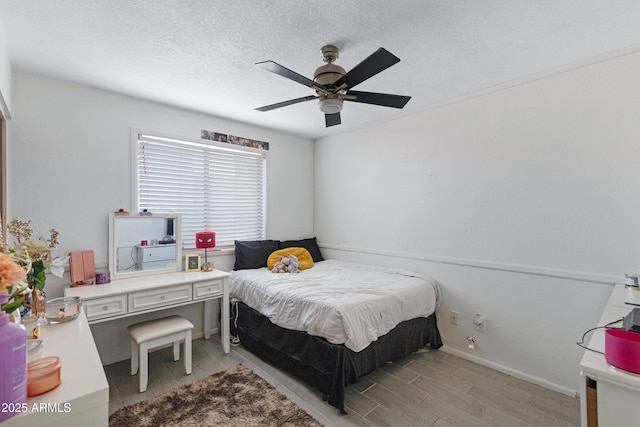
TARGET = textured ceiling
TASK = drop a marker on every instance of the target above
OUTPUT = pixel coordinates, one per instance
(200, 54)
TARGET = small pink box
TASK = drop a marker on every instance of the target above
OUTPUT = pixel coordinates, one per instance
(622, 349)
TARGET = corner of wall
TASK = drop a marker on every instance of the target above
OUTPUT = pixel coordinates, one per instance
(5, 80)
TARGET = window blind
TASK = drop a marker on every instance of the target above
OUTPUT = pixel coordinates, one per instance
(213, 188)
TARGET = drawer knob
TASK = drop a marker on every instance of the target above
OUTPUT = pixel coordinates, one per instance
(209, 289)
(162, 297)
(105, 308)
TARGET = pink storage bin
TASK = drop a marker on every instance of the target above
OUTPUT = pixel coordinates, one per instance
(622, 349)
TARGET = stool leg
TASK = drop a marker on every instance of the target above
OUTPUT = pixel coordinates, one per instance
(187, 352)
(144, 368)
(134, 357)
(176, 351)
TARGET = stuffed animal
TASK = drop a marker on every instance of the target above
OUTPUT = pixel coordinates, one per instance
(294, 265)
(287, 264)
(281, 265)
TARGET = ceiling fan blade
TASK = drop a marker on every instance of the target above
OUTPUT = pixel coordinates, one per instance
(384, 99)
(332, 119)
(287, 73)
(285, 103)
(378, 61)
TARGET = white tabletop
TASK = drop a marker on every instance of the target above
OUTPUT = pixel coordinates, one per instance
(122, 286)
(83, 387)
(594, 364)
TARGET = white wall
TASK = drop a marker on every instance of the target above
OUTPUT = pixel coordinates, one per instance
(523, 201)
(69, 166)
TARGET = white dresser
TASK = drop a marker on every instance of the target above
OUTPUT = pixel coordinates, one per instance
(145, 294)
(618, 391)
(155, 256)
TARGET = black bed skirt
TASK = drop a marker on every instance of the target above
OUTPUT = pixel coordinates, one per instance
(329, 367)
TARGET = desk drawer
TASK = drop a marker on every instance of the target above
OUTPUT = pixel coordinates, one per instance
(100, 308)
(207, 289)
(170, 295)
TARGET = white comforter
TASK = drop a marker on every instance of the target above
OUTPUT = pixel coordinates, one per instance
(346, 303)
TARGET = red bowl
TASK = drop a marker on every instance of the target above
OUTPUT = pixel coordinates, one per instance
(622, 349)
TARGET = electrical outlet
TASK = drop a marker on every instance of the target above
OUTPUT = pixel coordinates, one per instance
(471, 343)
(453, 317)
(479, 323)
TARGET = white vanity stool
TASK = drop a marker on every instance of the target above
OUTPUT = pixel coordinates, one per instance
(154, 333)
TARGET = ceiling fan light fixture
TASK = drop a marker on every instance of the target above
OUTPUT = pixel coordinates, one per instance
(333, 85)
(330, 105)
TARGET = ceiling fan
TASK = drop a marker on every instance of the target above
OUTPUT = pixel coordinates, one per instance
(333, 84)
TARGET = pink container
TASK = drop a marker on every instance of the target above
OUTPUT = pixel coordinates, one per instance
(43, 375)
(622, 349)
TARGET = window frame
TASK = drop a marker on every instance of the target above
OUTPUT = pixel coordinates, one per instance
(194, 143)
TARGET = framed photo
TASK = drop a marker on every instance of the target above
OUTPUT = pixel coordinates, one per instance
(192, 262)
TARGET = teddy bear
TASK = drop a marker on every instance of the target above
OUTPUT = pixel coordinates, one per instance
(286, 264)
(294, 265)
(281, 265)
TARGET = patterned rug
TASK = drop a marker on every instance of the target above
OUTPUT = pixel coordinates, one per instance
(235, 397)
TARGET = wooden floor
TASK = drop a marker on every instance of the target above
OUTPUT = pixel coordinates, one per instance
(428, 388)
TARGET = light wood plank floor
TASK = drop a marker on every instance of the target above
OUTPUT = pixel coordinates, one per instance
(428, 388)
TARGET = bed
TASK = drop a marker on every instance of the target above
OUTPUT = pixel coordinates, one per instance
(332, 323)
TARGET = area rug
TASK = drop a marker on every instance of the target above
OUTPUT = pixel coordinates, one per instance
(235, 397)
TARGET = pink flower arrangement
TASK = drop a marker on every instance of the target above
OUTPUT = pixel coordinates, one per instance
(22, 267)
(12, 282)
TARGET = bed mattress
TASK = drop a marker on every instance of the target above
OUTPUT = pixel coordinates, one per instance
(345, 303)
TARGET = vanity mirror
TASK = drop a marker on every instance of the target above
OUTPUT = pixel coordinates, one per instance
(144, 244)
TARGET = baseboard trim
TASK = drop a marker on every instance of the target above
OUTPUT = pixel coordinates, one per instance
(581, 276)
(513, 372)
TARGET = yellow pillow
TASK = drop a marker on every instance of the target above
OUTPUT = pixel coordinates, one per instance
(303, 255)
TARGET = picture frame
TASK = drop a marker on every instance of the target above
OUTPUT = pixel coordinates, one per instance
(192, 262)
(233, 139)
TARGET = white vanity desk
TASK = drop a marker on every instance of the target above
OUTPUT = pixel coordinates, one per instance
(618, 391)
(145, 294)
(82, 398)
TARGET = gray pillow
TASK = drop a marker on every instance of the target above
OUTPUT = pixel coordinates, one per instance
(253, 253)
(309, 244)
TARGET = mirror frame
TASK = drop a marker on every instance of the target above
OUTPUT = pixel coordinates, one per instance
(113, 230)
